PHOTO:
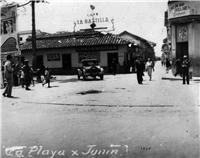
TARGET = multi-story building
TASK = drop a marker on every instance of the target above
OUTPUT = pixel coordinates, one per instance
(184, 27)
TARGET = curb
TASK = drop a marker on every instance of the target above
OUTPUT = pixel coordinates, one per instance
(169, 78)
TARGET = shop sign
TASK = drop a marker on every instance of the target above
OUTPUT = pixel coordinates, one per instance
(169, 34)
(183, 8)
(93, 17)
(89, 21)
(96, 48)
(53, 57)
(88, 55)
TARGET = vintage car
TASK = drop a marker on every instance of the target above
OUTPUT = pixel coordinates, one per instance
(90, 67)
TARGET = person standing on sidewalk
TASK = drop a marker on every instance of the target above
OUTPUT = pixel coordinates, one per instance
(139, 69)
(149, 68)
(8, 70)
(32, 76)
(114, 66)
(22, 78)
(16, 72)
(27, 74)
(178, 67)
(185, 69)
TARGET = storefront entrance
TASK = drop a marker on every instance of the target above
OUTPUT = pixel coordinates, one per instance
(181, 50)
(66, 60)
(110, 57)
(40, 61)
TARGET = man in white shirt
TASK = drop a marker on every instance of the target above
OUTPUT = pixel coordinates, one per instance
(8, 70)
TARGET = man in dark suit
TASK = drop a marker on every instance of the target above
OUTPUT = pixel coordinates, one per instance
(26, 68)
(139, 68)
(185, 69)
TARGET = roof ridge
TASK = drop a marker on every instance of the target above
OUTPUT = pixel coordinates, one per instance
(73, 41)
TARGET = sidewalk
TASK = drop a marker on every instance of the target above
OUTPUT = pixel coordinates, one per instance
(170, 76)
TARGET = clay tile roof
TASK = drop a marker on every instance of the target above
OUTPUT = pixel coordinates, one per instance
(74, 40)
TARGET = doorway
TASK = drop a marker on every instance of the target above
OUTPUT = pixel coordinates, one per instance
(181, 50)
(40, 62)
(66, 61)
(110, 57)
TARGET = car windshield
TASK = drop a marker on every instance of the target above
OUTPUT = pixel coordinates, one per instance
(90, 63)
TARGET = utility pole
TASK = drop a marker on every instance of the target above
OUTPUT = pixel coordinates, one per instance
(34, 59)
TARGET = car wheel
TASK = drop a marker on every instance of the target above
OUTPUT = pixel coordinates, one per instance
(94, 71)
(101, 77)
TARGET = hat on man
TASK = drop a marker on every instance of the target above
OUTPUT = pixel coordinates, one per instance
(9, 57)
(185, 56)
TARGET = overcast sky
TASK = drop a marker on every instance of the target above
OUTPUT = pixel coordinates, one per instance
(142, 18)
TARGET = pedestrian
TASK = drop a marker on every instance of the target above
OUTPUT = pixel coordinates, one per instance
(168, 65)
(125, 66)
(2, 74)
(41, 73)
(16, 72)
(178, 67)
(114, 66)
(139, 69)
(32, 76)
(47, 77)
(149, 68)
(153, 65)
(27, 75)
(22, 78)
(185, 69)
(8, 74)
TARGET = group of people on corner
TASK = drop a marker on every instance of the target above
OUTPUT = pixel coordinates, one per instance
(14, 74)
(181, 68)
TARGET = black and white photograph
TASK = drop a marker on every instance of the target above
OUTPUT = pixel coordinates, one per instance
(100, 79)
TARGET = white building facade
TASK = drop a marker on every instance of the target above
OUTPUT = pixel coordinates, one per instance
(184, 22)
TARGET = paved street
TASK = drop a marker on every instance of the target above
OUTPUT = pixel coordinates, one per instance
(112, 118)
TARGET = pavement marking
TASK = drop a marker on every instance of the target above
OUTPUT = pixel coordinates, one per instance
(104, 105)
